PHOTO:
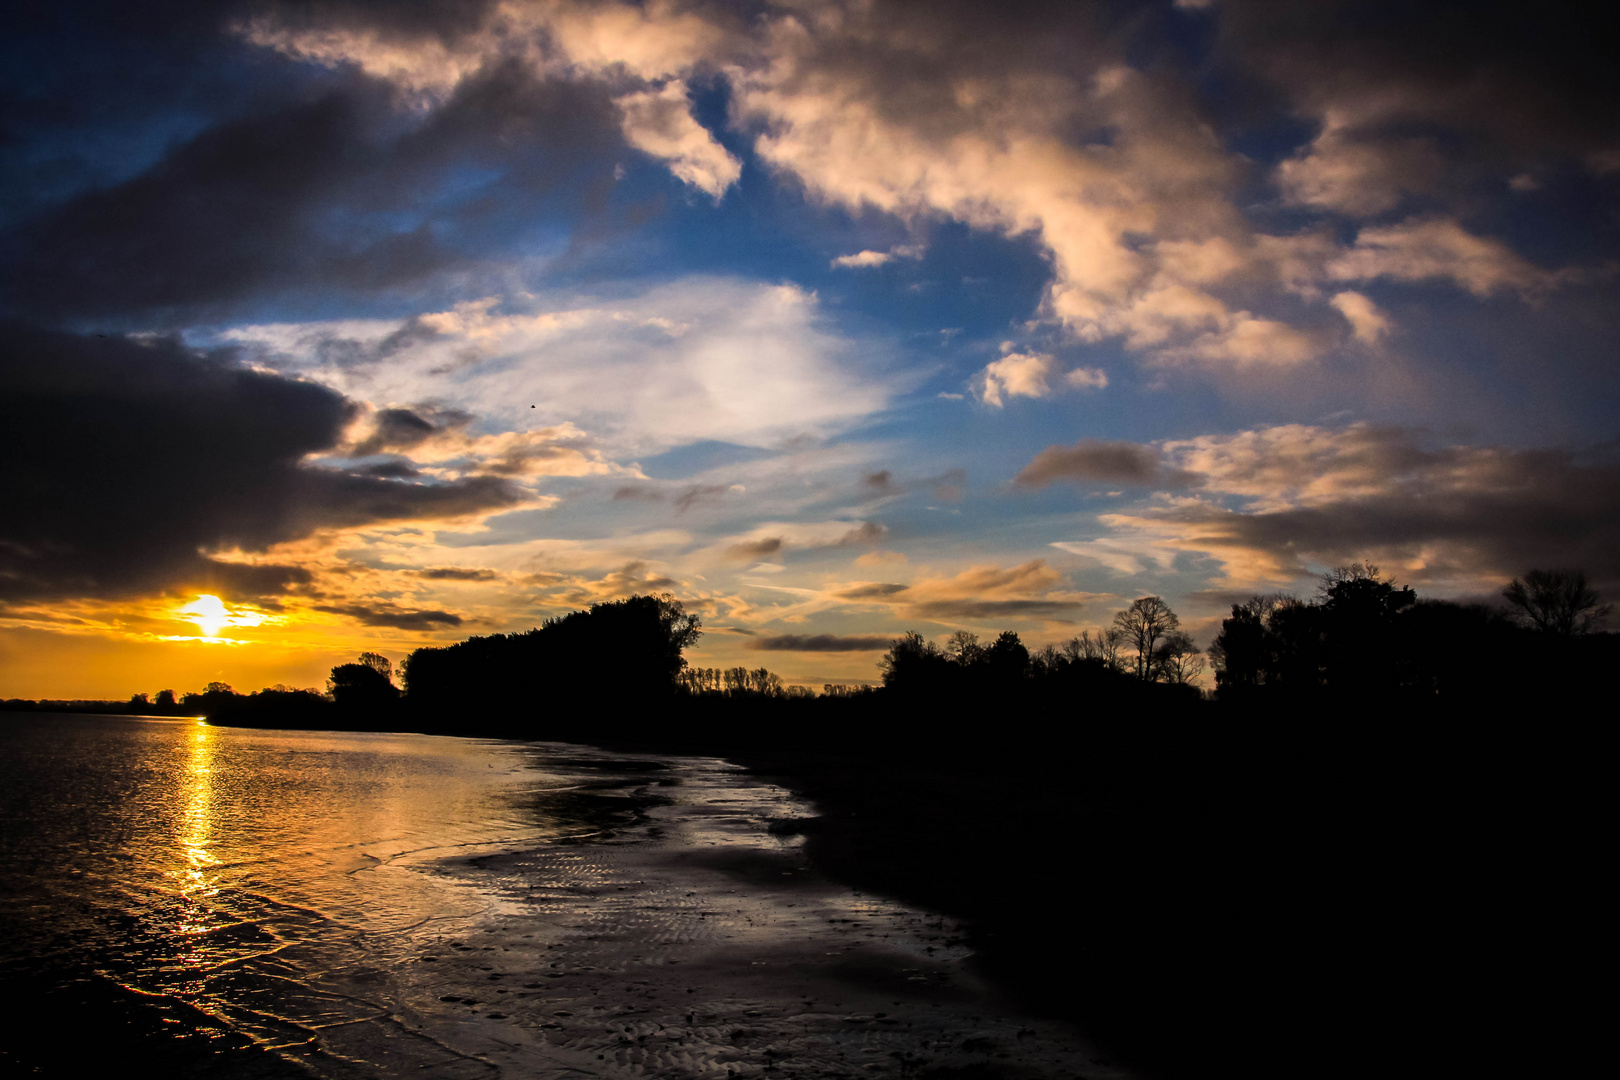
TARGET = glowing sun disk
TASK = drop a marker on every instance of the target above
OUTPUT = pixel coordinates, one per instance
(211, 615)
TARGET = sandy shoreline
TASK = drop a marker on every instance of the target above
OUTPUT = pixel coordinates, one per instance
(696, 941)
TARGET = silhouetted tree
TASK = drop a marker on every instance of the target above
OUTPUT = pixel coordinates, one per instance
(623, 651)
(704, 680)
(1142, 625)
(1276, 642)
(963, 649)
(361, 685)
(913, 663)
(1007, 658)
(1240, 652)
(843, 690)
(760, 682)
(378, 663)
(1179, 660)
(1364, 644)
(216, 698)
(1557, 602)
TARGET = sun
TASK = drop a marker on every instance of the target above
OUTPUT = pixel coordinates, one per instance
(209, 613)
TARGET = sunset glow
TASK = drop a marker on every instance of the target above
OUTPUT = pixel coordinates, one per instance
(833, 321)
(212, 616)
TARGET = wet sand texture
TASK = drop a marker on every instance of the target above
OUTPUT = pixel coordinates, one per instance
(662, 920)
(696, 940)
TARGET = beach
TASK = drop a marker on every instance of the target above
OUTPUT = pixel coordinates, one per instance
(576, 911)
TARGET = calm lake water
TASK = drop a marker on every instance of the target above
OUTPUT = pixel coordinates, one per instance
(353, 904)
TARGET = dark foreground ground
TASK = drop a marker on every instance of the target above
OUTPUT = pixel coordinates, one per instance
(1368, 896)
(1340, 899)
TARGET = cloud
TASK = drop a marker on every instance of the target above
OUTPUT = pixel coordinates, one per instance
(1367, 323)
(749, 550)
(700, 358)
(457, 573)
(1015, 375)
(1026, 591)
(320, 193)
(175, 459)
(772, 538)
(388, 615)
(1360, 176)
(872, 591)
(880, 484)
(821, 643)
(1506, 90)
(1274, 501)
(400, 429)
(1092, 460)
(659, 122)
(700, 494)
(865, 534)
(1040, 127)
(633, 578)
(1426, 249)
(866, 259)
(978, 610)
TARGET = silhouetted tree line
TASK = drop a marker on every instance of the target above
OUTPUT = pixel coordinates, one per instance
(1365, 640)
(616, 673)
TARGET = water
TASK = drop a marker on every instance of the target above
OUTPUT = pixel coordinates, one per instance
(353, 904)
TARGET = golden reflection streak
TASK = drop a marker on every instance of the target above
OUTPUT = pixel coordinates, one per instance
(197, 830)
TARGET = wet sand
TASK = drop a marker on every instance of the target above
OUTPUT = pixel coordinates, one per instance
(690, 936)
(1270, 905)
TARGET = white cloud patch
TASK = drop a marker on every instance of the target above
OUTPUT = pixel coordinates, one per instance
(867, 259)
(1360, 176)
(659, 122)
(1422, 249)
(696, 359)
(1367, 322)
(1015, 375)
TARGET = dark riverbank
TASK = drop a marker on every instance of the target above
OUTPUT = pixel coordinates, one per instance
(1275, 902)
(1207, 892)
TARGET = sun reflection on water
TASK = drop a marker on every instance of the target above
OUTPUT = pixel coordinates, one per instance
(196, 836)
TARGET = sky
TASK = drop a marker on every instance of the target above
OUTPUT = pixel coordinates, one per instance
(329, 327)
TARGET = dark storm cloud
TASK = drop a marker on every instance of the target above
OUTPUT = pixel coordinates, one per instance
(335, 189)
(1092, 460)
(388, 615)
(1531, 78)
(126, 461)
(821, 643)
